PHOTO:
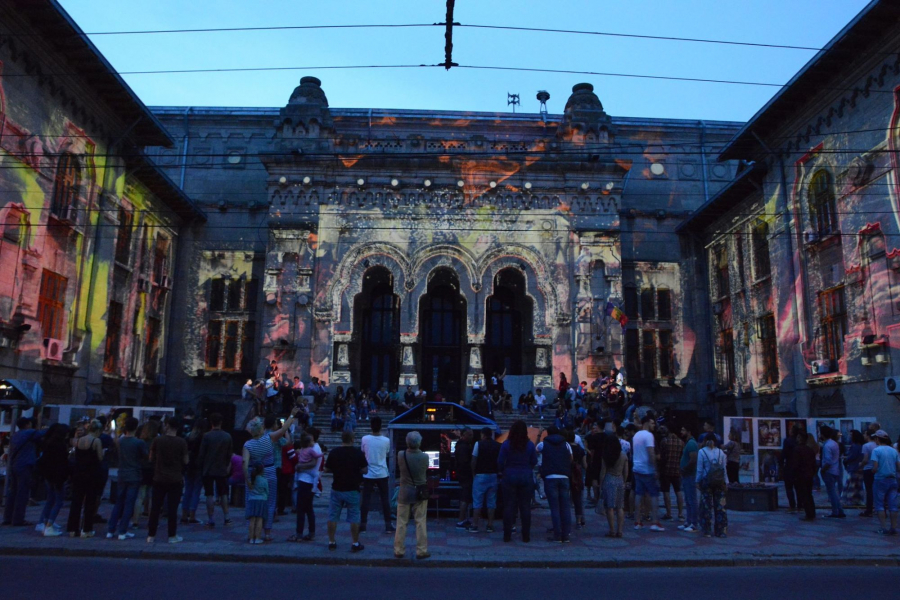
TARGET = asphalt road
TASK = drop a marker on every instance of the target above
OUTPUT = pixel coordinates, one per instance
(99, 579)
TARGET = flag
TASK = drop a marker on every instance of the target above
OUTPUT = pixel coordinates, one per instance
(616, 313)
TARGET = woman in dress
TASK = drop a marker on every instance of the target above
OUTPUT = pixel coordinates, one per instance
(613, 473)
(261, 448)
(86, 481)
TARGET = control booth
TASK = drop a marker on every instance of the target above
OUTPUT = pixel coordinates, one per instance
(440, 424)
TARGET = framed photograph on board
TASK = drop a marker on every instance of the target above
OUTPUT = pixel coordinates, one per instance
(748, 468)
(742, 429)
(769, 433)
(768, 465)
(790, 423)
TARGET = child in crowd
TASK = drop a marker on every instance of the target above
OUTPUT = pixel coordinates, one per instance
(257, 503)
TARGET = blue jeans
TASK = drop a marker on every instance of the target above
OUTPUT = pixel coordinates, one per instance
(55, 497)
(557, 490)
(124, 508)
(192, 487)
(689, 487)
(18, 490)
(833, 494)
(518, 492)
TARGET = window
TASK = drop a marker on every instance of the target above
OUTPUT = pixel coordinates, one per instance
(151, 350)
(648, 310)
(51, 304)
(231, 332)
(65, 187)
(631, 302)
(113, 337)
(648, 355)
(834, 322)
(123, 237)
(726, 358)
(664, 304)
(769, 347)
(666, 355)
(632, 352)
(15, 225)
(823, 214)
(739, 251)
(720, 270)
(760, 239)
(160, 259)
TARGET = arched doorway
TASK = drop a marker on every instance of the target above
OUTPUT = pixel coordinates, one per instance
(442, 329)
(377, 331)
(507, 325)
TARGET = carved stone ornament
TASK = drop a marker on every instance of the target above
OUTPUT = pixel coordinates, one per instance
(343, 357)
(408, 356)
(475, 358)
(540, 358)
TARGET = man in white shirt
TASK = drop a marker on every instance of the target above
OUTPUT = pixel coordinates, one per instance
(540, 401)
(646, 484)
(376, 448)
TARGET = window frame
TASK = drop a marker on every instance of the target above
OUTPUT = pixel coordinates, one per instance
(66, 186)
(822, 203)
(833, 322)
(768, 344)
(52, 304)
(236, 325)
(115, 314)
(762, 260)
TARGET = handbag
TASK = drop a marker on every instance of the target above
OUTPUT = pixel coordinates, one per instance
(422, 491)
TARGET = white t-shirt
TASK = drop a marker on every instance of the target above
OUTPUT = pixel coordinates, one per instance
(376, 448)
(311, 475)
(540, 399)
(642, 441)
(540, 448)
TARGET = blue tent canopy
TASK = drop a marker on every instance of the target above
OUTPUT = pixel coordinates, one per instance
(22, 390)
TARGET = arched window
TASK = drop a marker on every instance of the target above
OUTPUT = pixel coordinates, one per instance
(65, 188)
(378, 343)
(823, 214)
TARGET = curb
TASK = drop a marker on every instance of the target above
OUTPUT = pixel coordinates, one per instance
(788, 561)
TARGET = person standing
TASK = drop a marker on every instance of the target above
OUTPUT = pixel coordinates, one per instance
(307, 459)
(413, 465)
(193, 478)
(257, 503)
(464, 476)
(85, 481)
(805, 471)
(484, 483)
(169, 455)
(216, 449)
(376, 448)
(556, 467)
(20, 469)
(53, 466)
(132, 454)
(261, 448)
(732, 450)
(517, 460)
(646, 484)
(348, 465)
(831, 471)
(670, 471)
(713, 481)
(688, 468)
(885, 465)
(613, 473)
(868, 473)
(852, 495)
(786, 466)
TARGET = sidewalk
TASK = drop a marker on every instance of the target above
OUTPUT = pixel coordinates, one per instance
(773, 538)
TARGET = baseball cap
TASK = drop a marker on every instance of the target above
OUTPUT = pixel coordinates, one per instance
(881, 433)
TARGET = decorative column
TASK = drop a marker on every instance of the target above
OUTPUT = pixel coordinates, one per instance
(341, 373)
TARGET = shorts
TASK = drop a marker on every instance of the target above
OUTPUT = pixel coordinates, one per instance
(465, 491)
(339, 500)
(667, 481)
(484, 490)
(885, 494)
(219, 483)
(645, 485)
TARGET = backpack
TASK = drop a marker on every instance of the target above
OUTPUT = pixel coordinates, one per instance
(715, 477)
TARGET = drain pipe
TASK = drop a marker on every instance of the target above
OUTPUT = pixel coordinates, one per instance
(184, 147)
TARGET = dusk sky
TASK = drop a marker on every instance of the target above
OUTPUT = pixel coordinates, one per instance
(791, 22)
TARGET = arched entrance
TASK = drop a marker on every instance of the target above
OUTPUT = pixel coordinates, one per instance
(377, 330)
(507, 325)
(443, 333)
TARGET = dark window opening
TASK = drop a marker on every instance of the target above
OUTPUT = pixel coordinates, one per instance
(51, 304)
(65, 187)
(648, 355)
(630, 298)
(833, 322)
(726, 366)
(720, 270)
(823, 213)
(378, 342)
(506, 322)
(113, 337)
(666, 354)
(664, 304)
(769, 347)
(761, 262)
(151, 349)
(123, 237)
(648, 309)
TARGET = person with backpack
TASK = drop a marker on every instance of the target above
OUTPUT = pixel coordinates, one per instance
(713, 482)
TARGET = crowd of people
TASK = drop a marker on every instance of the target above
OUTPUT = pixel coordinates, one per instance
(604, 450)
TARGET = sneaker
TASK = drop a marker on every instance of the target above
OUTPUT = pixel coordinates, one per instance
(357, 547)
(39, 528)
(332, 545)
(489, 529)
(638, 526)
(176, 539)
(566, 540)
(472, 529)
(681, 528)
(110, 536)
(689, 529)
(150, 539)
(463, 524)
(126, 536)
(52, 532)
(87, 534)
(390, 529)
(657, 527)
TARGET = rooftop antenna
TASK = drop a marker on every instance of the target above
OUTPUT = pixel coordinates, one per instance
(543, 96)
(512, 99)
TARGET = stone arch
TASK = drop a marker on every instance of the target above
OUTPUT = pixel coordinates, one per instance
(346, 283)
(425, 262)
(544, 293)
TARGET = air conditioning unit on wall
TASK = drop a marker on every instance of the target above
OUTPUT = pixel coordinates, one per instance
(52, 349)
(820, 367)
(892, 385)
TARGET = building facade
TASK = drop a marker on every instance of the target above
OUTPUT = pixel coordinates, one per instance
(801, 251)
(89, 223)
(374, 248)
